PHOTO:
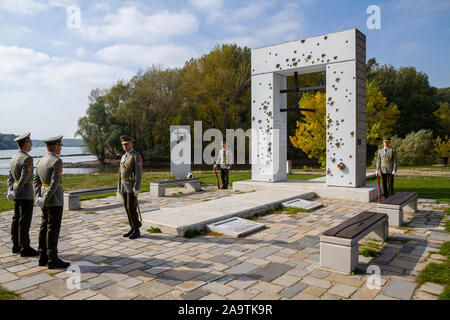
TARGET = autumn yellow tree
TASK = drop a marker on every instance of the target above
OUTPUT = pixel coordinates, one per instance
(310, 135)
(381, 115)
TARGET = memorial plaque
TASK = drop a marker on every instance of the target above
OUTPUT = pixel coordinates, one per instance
(302, 204)
(235, 227)
(180, 151)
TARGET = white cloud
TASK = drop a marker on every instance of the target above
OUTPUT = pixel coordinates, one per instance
(132, 55)
(31, 7)
(49, 93)
(131, 24)
(25, 7)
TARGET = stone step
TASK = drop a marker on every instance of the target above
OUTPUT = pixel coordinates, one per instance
(177, 221)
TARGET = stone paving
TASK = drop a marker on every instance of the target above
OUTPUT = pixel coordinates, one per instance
(279, 262)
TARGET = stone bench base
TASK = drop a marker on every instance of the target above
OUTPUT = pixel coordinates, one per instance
(395, 212)
(341, 254)
(158, 189)
(72, 198)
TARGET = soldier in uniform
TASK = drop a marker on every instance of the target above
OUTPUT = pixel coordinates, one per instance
(224, 160)
(20, 189)
(50, 197)
(387, 167)
(129, 184)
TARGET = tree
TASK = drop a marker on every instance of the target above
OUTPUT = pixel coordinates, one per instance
(218, 86)
(310, 135)
(443, 115)
(410, 90)
(381, 115)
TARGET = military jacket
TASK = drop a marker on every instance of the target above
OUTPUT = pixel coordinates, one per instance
(48, 180)
(387, 160)
(20, 178)
(225, 159)
(130, 172)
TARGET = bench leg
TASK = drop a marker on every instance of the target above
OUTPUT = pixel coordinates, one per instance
(71, 203)
(411, 206)
(338, 257)
(395, 216)
(157, 190)
(381, 232)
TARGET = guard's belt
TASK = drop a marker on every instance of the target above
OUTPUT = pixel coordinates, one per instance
(129, 178)
(386, 163)
(28, 182)
(48, 186)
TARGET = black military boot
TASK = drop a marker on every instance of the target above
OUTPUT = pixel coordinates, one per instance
(43, 259)
(136, 234)
(57, 263)
(28, 252)
(126, 235)
(16, 248)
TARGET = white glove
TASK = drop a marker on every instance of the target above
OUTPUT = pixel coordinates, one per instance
(394, 172)
(39, 202)
(377, 172)
(118, 196)
(10, 195)
(136, 193)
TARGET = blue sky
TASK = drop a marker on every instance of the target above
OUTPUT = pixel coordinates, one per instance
(47, 69)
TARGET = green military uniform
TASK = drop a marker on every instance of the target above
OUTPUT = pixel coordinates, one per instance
(387, 166)
(129, 185)
(50, 195)
(20, 188)
(224, 161)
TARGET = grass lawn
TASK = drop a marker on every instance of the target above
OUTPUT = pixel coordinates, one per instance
(7, 295)
(426, 187)
(438, 272)
(85, 181)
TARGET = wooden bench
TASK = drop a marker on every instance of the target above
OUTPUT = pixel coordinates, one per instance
(339, 247)
(393, 206)
(72, 198)
(159, 188)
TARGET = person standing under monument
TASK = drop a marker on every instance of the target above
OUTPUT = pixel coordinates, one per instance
(50, 197)
(387, 167)
(129, 185)
(224, 159)
(20, 189)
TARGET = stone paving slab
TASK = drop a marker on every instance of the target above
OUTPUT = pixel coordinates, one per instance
(279, 262)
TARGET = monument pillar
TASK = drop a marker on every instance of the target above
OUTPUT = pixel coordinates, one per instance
(342, 55)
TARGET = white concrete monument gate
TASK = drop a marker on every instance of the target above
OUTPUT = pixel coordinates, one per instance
(342, 55)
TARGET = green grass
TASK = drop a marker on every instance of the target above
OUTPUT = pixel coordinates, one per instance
(154, 230)
(367, 252)
(87, 181)
(438, 272)
(7, 295)
(426, 187)
(293, 210)
(191, 233)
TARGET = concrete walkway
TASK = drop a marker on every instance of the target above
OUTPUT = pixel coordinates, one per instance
(279, 262)
(176, 221)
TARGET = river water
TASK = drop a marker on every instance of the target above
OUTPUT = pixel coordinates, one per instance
(41, 151)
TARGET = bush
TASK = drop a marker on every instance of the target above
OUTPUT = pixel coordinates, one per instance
(442, 147)
(416, 149)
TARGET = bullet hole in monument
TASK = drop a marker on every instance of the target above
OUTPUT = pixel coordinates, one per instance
(308, 57)
(260, 83)
(333, 71)
(277, 66)
(270, 52)
(337, 110)
(259, 121)
(328, 171)
(353, 77)
(253, 119)
(313, 62)
(287, 60)
(338, 79)
(331, 103)
(294, 64)
(333, 160)
(335, 57)
(326, 37)
(342, 120)
(352, 134)
(302, 41)
(349, 183)
(293, 59)
(335, 89)
(350, 156)
(346, 41)
(276, 54)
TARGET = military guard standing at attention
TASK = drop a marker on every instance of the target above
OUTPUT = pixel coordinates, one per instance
(129, 185)
(50, 197)
(20, 189)
(387, 166)
(224, 160)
